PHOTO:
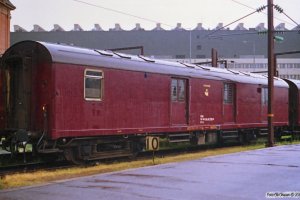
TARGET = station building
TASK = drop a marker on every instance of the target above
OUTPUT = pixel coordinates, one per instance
(245, 49)
(5, 7)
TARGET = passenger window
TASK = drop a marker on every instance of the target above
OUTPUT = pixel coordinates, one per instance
(264, 96)
(228, 93)
(93, 85)
(178, 89)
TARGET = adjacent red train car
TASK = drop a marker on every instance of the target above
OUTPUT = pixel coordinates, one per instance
(294, 104)
(92, 104)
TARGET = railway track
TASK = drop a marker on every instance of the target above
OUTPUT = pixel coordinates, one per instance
(35, 165)
(12, 166)
(32, 167)
(9, 165)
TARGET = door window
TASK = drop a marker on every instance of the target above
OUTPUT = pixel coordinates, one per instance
(178, 87)
(228, 93)
(264, 96)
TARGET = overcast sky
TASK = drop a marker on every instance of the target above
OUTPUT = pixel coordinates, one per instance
(129, 12)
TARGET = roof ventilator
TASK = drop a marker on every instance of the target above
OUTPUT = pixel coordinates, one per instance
(104, 53)
(146, 58)
(202, 67)
(233, 71)
(121, 55)
(188, 65)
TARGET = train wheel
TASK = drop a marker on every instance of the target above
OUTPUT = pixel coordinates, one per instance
(72, 155)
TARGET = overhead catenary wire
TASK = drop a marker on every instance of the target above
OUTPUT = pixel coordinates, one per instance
(237, 2)
(243, 4)
(257, 10)
(120, 12)
(280, 10)
(291, 19)
(154, 21)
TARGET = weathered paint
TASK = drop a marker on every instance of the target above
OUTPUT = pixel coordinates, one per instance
(136, 95)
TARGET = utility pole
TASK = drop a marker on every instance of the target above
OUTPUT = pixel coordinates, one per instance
(270, 73)
(214, 58)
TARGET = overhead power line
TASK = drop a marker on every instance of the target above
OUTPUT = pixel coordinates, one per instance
(243, 4)
(280, 10)
(154, 21)
(120, 12)
(235, 1)
(257, 10)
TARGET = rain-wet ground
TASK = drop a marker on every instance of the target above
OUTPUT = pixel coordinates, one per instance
(246, 175)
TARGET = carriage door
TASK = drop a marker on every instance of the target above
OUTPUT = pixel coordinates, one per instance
(264, 104)
(18, 77)
(229, 103)
(179, 101)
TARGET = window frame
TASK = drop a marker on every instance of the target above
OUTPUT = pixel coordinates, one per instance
(93, 77)
(178, 94)
(264, 96)
(232, 87)
(174, 93)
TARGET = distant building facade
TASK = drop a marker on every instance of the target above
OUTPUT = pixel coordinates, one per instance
(246, 48)
(286, 67)
(5, 7)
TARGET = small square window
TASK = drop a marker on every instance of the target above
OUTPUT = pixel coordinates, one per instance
(93, 85)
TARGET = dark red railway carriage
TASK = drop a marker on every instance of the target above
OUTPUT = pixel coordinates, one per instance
(294, 104)
(92, 103)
